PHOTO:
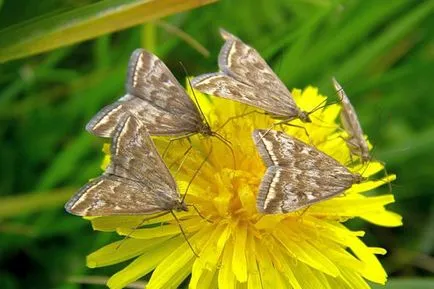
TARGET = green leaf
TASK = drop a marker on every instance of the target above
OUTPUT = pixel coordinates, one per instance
(47, 33)
(413, 283)
(33, 202)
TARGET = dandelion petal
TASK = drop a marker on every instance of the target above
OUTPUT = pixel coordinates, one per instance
(143, 264)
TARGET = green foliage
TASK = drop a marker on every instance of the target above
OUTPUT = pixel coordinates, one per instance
(381, 52)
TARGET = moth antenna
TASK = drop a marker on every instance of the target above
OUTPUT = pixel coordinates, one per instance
(321, 105)
(194, 95)
(139, 225)
(228, 145)
(195, 175)
(183, 233)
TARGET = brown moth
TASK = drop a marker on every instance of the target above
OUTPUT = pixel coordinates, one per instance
(356, 141)
(136, 182)
(298, 174)
(156, 98)
(245, 77)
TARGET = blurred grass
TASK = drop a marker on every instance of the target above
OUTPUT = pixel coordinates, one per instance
(382, 53)
(60, 29)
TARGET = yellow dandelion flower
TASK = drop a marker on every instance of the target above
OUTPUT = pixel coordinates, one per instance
(237, 246)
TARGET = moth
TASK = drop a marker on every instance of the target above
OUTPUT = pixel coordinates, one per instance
(297, 174)
(156, 98)
(245, 77)
(136, 182)
(356, 142)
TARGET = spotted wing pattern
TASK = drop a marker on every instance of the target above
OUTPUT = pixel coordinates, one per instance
(136, 181)
(155, 97)
(248, 79)
(297, 175)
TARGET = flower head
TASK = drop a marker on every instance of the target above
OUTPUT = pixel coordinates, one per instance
(310, 248)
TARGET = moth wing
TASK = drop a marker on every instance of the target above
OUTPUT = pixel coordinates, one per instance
(150, 79)
(351, 124)
(246, 65)
(220, 84)
(111, 195)
(288, 189)
(279, 149)
(134, 156)
(158, 121)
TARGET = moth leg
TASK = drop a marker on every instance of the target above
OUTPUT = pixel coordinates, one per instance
(172, 140)
(238, 116)
(183, 233)
(227, 144)
(386, 175)
(287, 122)
(326, 125)
(182, 158)
(195, 175)
(139, 225)
(199, 213)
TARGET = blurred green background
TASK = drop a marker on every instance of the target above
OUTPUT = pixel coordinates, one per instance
(382, 52)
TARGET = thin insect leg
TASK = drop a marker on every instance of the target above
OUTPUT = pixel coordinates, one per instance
(386, 175)
(237, 116)
(139, 225)
(304, 211)
(167, 148)
(182, 158)
(199, 213)
(195, 175)
(175, 139)
(183, 233)
(266, 132)
(326, 125)
(286, 122)
(228, 144)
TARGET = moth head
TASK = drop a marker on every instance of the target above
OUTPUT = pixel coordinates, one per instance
(365, 156)
(304, 116)
(205, 129)
(180, 206)
(358, 178)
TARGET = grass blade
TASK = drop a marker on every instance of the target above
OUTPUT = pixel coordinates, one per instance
(47, 33)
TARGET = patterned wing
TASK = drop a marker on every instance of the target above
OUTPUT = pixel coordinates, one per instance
(155, 97)
(298, 174)
(110, 195)
(350, 121)
(287, 189)
(220, 84)
(279, 149)
(150, 79)
(158, 121)
(244, 63)
(134, 156)
(136, 181)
